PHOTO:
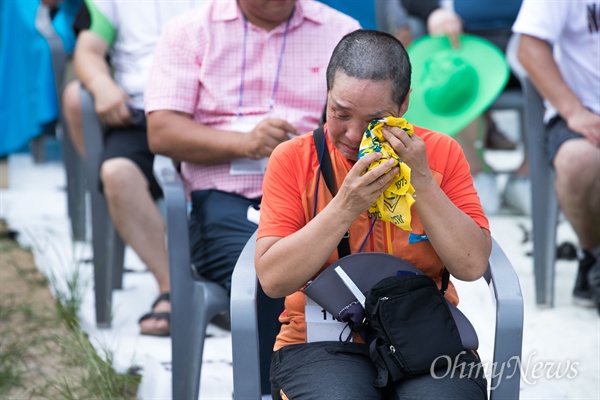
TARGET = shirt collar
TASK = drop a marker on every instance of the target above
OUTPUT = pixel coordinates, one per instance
(225, 10)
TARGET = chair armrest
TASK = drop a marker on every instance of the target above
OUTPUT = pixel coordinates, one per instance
(43, 24)
(244, 326)
(169, 180)
(93, 136)
(508, 342)
(176, 220)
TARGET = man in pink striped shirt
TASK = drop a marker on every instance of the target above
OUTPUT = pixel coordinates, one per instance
(230, 81)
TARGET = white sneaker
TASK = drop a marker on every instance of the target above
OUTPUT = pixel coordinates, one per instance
(517, 194)
(485, 184)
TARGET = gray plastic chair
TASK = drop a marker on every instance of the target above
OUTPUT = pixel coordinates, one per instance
(107, 246)
(72, 161)
(195, 301)
(247, 331)
(545, 206)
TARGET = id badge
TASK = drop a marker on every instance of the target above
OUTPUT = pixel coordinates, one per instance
(321, 326)
(247, 166)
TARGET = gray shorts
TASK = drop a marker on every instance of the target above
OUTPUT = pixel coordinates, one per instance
(557, 132)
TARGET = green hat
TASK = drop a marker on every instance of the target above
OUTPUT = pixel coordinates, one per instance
(451, 87)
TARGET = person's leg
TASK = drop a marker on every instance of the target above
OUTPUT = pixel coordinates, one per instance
(517, 192)
(219, 230)
(577, 183)
(495, 139)
(71, 108)
(324, 370)
(470, 140)
(464, 380)
(130, 191)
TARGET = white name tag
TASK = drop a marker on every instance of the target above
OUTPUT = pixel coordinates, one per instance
(321, 326)
(253, 215)
(247, 166)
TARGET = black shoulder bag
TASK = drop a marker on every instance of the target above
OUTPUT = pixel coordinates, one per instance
(409, 326)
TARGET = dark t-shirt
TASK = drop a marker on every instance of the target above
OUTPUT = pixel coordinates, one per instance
(82, 19)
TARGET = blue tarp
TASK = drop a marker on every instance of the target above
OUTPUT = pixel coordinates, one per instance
(28, 98)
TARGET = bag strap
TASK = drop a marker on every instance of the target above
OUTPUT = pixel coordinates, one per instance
(445, 280)
(327, 171)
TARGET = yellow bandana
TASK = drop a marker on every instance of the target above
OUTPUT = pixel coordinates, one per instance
(394, 203)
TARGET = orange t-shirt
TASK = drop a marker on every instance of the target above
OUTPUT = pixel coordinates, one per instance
(289, 192)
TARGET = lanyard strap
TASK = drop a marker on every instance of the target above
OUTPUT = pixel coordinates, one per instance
(279, 63)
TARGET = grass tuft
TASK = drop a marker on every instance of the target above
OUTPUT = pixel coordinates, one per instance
(10, 371)
(44, 353)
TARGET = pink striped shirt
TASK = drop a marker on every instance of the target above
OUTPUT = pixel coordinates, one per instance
(197, 70)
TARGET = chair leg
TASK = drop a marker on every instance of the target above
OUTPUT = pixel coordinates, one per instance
(37, 148)
(188, 330)
(75, 184)
(108, 249)
(544, 203)
(545, 217)
(103, 279)
(116, 257)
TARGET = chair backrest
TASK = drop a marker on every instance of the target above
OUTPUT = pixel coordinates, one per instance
(43, 24)
(254, 325)
(250, 334)
(194, 300)
(71, 160)
(107, 246)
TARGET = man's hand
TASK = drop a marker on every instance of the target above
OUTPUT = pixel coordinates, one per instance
(586, 123)
(51, 3)
(444, 22)
(110, 102)
(263, 139)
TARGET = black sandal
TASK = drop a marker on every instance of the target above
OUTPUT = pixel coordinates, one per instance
(158, 315)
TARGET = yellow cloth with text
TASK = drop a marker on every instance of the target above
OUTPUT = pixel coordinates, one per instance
(394, 203)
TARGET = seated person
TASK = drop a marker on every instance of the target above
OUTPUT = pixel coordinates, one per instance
(127, 31)
(251, 76)
(491, 20)
(301, 224)
(568, 79)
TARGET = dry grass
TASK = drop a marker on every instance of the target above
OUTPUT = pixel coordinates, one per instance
(43, 353)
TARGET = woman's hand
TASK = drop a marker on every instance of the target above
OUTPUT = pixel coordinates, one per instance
(359, 191)
(412, 151)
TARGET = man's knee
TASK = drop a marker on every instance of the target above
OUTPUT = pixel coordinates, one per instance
(71, 109)
(71, 102)
(120, 175)
(577, 163)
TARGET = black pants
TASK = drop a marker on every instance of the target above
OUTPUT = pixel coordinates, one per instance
(219, 230)
(334, 370)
